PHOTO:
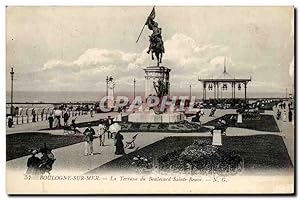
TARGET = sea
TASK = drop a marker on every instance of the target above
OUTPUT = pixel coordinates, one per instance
(93, 96)
(46, 99)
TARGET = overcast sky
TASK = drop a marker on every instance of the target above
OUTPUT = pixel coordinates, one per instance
(75, 48)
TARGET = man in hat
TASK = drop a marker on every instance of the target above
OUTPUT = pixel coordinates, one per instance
(66, 118)
(51, 119)
(33, 164)
(33, 115)
(89, 137)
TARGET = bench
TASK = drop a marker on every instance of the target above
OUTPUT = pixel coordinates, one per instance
(131, 144)
(68, 130)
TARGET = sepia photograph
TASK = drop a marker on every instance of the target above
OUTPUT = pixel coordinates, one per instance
(150, 100)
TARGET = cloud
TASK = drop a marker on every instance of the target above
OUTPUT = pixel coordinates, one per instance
(187, 59)
(94, 57)
(55, 63)
(220, 61)
(186, 52)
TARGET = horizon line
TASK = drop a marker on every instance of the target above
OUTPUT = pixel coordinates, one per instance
(121, 91)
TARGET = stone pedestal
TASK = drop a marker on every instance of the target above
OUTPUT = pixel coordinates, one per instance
(217, 138)
(151, 117)
(153, 74)
(240, 118)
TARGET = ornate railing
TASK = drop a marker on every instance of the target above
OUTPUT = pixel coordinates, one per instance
(23, 112)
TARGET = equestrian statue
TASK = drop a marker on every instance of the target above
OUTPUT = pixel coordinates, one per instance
(156, 43)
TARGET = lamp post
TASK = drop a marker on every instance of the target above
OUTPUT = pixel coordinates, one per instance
(134, 88)
(190, 91)
(106, 93)
(106, 85)
(12, 91)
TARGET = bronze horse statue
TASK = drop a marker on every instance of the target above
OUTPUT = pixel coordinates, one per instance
(157, 48)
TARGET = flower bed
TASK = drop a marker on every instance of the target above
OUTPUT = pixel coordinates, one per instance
(201, 157)
(258, 152)
(178, 127)
(254, 122)
(141, 163)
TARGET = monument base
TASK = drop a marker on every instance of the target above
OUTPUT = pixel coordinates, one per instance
(151, 117)
(152, 75)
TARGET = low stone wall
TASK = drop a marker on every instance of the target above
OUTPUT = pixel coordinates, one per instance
(151, 117)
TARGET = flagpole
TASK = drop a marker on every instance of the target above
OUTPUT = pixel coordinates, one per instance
(140, 33)
(143, 27)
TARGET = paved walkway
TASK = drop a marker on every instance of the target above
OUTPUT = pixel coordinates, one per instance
(45, 124)
(72, 158)
(286, 128)
(287, 131)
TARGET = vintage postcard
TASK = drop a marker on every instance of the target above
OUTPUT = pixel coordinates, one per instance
(150, 100)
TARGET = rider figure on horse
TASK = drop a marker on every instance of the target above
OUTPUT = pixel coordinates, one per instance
(156, 41)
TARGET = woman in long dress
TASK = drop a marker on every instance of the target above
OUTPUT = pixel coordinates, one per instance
(290, 116)
(284, 116)
(119, 144)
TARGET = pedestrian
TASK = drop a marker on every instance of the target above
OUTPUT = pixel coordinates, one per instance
(66, 118)
(74, 127)
(109, 122)
(89, 137)
(33, 164)
(196, 118)
(42, 114)
(284, 105)
(201, 112)
(91, 111)
(10, 122)
(47, 160)
(223, 127)
(101, 132)
(51, 119)
(290, 115)
(220, 125)
(212, 112)
(284, 116)
(278, 114)
(57, 114)
(33, 115)
(119, 144)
